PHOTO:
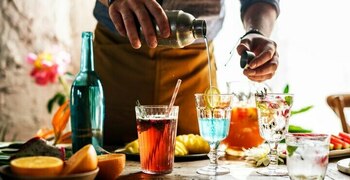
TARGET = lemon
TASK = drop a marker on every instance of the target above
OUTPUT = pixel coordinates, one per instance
(132, 147)
(212, 101)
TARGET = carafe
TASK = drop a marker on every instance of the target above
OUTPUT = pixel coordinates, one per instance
(244, 127)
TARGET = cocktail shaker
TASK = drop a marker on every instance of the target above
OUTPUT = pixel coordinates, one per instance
(185, 29)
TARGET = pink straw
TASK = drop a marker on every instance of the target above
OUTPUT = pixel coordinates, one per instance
(176, 90)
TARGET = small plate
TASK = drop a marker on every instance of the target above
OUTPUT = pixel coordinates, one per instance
(339, 153)
(189, 157)
(6, 173)
(344, 166)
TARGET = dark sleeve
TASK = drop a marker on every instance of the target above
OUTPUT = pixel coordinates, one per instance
(246, 3)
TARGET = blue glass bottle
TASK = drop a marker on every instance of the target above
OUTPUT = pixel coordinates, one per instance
(87, 101)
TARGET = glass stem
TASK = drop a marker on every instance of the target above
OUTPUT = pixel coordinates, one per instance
(273, 155)
(213, 155)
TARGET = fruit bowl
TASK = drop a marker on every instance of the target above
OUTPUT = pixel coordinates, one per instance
(6, 173)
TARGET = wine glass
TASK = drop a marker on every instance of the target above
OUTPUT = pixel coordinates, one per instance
(213, 112)
(273, 114)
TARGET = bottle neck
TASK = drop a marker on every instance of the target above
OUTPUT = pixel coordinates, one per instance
(199, 29)
(87, 55)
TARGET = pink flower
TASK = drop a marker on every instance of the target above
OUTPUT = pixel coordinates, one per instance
(45, 74)
(47, 67)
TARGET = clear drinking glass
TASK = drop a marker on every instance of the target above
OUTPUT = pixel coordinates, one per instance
(213, 112)
(273, 114)
(307, 155)
(156, 128)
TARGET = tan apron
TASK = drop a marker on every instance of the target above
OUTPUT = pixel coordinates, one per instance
(148, 75)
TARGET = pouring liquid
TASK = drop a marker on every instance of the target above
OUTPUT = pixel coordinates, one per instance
(208, 55)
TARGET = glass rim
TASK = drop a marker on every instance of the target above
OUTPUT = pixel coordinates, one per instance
(307, 135)
(204, 94)
(156, 106)
(280, 94)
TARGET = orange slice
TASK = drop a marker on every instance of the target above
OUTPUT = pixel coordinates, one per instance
(37, 166)
(110, 165)
(212, 101)
(83, 160)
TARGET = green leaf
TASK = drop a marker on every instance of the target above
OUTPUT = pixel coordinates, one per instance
(59, 98)
(291, 149)
(289, 100)
(286, 89)
(302, 110)
(298, 129)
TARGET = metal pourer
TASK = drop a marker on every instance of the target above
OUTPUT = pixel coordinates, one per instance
(246, 58)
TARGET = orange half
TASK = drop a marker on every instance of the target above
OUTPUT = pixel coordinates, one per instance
(83, 160)
(37, 166)
(110, 165)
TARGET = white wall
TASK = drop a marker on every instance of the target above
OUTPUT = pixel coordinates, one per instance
(312, 38)
(35, 26)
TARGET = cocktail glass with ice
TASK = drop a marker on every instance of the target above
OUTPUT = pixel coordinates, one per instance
(307, 155)
(273, 115)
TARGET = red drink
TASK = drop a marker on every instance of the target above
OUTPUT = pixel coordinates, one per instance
(157, 143)
(244, 129)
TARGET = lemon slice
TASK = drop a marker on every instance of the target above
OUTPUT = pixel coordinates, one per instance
(212, 101)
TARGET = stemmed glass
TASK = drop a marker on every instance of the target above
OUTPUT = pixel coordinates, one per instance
(213, 112)
(273, 114)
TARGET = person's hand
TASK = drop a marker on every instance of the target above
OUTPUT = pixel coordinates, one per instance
(125, 14)
(265, 63)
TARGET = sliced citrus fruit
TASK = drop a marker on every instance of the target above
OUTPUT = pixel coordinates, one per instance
(210, 98)
(180, 149)
(132, 147)
(194, 143)
(83, 160)
(37, 166)
(110, 165)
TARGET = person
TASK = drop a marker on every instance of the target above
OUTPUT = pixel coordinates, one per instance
(131, 70)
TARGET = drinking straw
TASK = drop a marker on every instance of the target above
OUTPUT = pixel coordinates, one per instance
(176, 90)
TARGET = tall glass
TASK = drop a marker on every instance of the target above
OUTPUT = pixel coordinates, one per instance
(244, 119)
(273, 112)
(156, 128)
(213, 112)
(307, 155)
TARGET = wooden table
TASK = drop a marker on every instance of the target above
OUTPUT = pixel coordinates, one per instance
(239, 170)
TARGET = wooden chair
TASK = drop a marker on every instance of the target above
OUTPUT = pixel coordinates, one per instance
(338, 102)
